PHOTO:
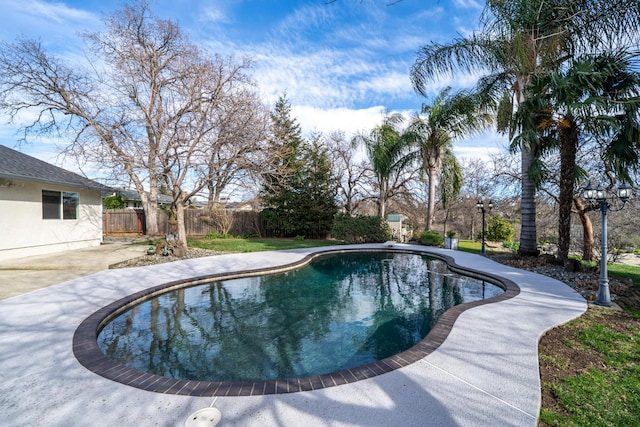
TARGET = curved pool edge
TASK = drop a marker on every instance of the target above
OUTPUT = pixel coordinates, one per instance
(87, 352)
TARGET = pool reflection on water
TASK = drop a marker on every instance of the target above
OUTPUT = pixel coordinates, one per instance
(338, 312)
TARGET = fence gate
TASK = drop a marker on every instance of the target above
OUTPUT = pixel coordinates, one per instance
(119, 222)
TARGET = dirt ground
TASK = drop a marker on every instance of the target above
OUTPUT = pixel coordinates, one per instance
(558, 344)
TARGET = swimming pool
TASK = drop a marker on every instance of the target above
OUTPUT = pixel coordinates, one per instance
(351, 314)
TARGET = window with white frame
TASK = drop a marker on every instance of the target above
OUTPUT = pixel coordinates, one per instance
(60, 204)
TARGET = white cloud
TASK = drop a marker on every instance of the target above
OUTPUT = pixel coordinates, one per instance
(46, 15)
(304, 19)
(391, 82)
(212, 15)
(350, 121)
(57, 12)
(328, 78)
(482, 153)
(481, 146)
(55, 24)
(468, 4)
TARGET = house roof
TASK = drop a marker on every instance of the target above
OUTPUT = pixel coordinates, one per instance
(17, 165)
(133, 195)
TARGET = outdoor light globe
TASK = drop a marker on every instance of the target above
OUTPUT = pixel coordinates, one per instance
(624, 192)
(588, 192)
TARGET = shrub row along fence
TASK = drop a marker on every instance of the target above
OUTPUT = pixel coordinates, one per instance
(198, 222)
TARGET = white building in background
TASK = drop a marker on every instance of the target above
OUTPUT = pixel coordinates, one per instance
(399, 232)
(44, 208)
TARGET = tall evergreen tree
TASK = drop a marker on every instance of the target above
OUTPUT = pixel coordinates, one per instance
(317, 190)
(283, 168)
(299, 191)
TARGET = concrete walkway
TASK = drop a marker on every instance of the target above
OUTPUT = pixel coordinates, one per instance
(484, 374)
(21, 275)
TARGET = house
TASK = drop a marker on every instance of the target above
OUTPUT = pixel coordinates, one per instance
(399, 232)
(44, 208)
(132, 199)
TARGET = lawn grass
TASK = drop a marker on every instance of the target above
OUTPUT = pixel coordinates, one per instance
(605, 394)
(475, 247)
(239, 245)
(626, 271)
(469, 246)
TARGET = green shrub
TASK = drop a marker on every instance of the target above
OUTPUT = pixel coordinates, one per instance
(431, 238)
(299, 238)
(215, 235)
(512, 246)
(360, 229)
(114, 201)
(499, 230)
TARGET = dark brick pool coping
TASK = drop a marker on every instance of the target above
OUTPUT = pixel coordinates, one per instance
(87, 352)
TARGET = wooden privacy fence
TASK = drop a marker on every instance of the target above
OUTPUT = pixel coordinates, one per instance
(119, 222)
(198, 222)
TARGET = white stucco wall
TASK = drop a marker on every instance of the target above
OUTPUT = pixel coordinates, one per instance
(25, 233)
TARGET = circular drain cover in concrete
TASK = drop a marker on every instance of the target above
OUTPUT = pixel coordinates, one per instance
(205, 417)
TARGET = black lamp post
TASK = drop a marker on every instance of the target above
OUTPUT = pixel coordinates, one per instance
(481, 208)
(599, 196)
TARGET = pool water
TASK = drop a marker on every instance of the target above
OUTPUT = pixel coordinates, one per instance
(338, 312)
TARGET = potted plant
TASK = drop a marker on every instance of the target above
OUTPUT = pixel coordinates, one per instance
(451, 241)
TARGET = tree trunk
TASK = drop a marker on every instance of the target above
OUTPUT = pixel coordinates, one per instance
(588, 244)
(181, 230)
(528, 237)
(431, 199)
(149, 201)
(152, 212)
(382, 208)
(446, 219)
(151, 217)
(150, 207)
(382, 199)
(568, 147)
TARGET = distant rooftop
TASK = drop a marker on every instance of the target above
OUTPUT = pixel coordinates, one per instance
(394, 218)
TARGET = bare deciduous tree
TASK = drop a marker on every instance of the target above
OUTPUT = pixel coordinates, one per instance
(236, 153)
(149, 103)
(350, 172)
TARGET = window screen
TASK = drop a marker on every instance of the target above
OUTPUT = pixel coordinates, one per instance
(70, 202)
(56, 205)
(50, 204)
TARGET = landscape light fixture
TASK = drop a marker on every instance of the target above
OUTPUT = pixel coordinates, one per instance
(481, 208)
(599, 196)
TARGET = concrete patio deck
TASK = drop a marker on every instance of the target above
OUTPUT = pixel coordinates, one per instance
(484, 374)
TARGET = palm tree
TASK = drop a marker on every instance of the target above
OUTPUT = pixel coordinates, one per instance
(517, 40)
(386, 147)
(446, 118)
(597, 95)
(507, 50)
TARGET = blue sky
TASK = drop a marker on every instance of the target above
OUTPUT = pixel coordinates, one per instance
(342, 64)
